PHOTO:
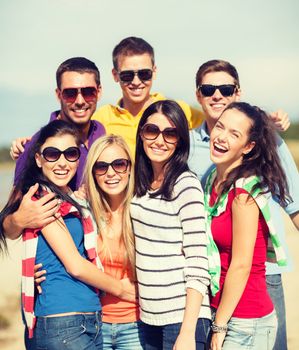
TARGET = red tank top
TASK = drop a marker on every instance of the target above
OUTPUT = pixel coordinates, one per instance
(255, 300)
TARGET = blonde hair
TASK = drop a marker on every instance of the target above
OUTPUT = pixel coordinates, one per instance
(98, 199)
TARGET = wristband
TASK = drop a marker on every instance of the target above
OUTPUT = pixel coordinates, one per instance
(218, 329)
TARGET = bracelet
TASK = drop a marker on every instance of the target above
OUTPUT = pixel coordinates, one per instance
(218, 329)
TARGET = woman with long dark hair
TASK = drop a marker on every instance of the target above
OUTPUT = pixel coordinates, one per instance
(68, 312)
(169, 226)
(248, 169)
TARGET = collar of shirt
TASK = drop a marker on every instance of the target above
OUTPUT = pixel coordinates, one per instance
(95, 131)
(201, 133)
(154, 97)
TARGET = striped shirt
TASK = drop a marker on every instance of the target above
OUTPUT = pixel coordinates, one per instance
(171, 252)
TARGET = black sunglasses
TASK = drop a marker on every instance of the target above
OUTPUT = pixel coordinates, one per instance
(152, 131)
(52, 154)
(89, 94)
(118, 165)
(226, 90)
(127, 76)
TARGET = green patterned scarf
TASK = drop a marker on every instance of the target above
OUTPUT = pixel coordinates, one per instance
(275, 252)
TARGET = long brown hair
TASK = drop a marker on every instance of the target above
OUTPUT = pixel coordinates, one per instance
(263, 160)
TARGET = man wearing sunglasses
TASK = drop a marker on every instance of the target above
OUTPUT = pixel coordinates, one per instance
(78, 90)
(217, 85)
(134, 69)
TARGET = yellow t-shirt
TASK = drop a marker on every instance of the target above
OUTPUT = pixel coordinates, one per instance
(119, 121)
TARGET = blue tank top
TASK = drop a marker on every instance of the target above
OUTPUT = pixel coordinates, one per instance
(61, 292)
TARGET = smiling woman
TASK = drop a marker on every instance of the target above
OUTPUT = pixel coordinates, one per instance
(243, 148)
(66, 248)
(109, 185)
(169, 226)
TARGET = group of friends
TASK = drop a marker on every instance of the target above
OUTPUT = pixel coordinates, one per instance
(150, 224)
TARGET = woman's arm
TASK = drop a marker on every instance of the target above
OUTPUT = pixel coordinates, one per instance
(186, 338)
(192, 218)
(245, 216)
(295, 219)
(60, 240)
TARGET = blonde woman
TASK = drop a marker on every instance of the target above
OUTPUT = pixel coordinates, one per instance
(109, 186)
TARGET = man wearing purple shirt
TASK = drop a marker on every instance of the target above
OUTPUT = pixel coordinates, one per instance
(78, 90)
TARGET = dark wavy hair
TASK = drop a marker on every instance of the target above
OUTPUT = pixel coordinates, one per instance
(263, 160)
(176, 165)
(32, 174)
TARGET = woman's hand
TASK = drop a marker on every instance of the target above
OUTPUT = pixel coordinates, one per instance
(81, 192)
(129, 290)
(39, 277)
(217, 341)
(185, 341)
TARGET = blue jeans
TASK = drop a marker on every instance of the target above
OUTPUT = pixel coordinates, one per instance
(275, 290)
(251, 333)
(75, 332)
(122, 336)
(164, 337)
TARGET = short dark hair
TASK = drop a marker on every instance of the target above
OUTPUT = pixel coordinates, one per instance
(132, 46)
(263, 160)
(176, 165)
(216, 66)
(80, 65)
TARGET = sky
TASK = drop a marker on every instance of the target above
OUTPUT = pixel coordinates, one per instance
(261, 38)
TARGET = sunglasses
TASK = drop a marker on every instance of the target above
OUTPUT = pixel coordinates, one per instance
(151, 132)
(127, 76)
(226, 90)
(118, 165)
(89, 94)
(52, 154)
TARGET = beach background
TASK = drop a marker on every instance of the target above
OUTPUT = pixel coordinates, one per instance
(11, 327)
(260, 38)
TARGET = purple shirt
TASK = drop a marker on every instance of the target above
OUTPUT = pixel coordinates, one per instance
(96, 130)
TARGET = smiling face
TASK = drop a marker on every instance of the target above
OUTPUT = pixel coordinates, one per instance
(214, 105)
(61, 171)
(229, 139)
(80, 111)
(158, 150)
(137, 92)
(113, 183)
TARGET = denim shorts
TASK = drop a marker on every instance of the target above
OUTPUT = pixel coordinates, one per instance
(164, 337)
(251, 333)
(74, 332)
(124, 336)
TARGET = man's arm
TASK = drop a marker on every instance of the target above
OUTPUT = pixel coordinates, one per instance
(31, 214)
(281, 120)
(194, 116)
(17, 147)
(291, 171)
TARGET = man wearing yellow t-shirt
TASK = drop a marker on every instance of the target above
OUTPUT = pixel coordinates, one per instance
(134, 69)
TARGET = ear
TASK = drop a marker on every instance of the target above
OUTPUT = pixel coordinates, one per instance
(58, 94)
(38, 160)
(199, 96)
(115, 75)
(249, 147)
(154, 72)
(238, 95)
(99, 93)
